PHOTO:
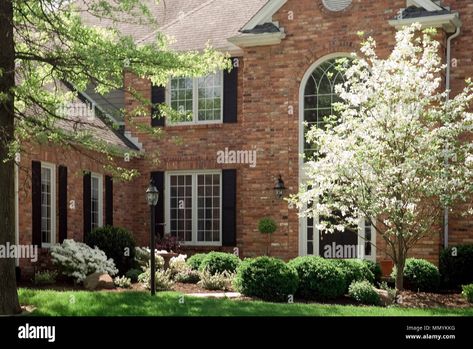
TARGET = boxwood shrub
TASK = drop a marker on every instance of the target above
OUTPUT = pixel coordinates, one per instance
(218, 262)
(267, 278)
(318, 278)
(420, 275)
(456, 266)
(364, 293)
(115, 242)
(353, 270)
(195, 260)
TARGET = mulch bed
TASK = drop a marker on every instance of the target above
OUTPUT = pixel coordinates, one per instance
(409, 299)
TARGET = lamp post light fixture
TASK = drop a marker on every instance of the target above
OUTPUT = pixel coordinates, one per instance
(152, 196)
(279, 188)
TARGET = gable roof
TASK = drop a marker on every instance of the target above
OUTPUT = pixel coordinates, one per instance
(191, 24)
(97, 125)
(212, 22)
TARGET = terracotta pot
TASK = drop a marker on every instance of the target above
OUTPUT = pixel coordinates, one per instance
(386, 267)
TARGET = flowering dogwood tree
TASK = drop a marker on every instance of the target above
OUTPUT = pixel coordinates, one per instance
(397, 152)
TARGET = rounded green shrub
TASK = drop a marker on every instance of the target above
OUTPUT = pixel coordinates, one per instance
(353, 270)
(195, 260)
(218, 262)
(188, 276)
(456, 265)
(117, 243)
(364, 293)
(267, 225)
(467, 292)
(319, 278)
(420, 275)
(133, 274)
(267, 278)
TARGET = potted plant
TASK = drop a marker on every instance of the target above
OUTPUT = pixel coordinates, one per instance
(267, 226)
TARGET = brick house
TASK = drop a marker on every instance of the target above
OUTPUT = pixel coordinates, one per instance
(241, 130)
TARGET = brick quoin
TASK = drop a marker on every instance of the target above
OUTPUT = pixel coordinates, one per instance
(269, 81)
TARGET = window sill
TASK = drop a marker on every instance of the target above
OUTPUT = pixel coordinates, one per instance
(193, 126)
(198, 245)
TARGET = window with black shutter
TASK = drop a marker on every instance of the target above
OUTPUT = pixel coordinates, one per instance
(62, 203)
(158, 96)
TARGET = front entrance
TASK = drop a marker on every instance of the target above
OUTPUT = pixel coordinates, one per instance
(316, 97)
(353, 242)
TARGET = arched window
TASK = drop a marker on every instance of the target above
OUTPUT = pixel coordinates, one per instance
(319, 96)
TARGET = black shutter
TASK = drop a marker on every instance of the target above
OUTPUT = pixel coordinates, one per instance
(158, 96)
(230, 94)
(36, 202)
(229, 207)
(62, 203)
(86, 197)
(108, 200)
(158, 179)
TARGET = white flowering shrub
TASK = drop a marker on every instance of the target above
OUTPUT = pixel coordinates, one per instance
(77, 260)
(396, 152)
(143, 256)
(122, 282)
(218, 281)
(163, 279)
(178, 264)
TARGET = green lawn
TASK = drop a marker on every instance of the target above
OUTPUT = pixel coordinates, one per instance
(83, 303)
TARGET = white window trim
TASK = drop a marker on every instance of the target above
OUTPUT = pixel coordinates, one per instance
(167, 205)
(99, 177)
(195, 105)
(362, 240)
(316, 238)
(52, 168)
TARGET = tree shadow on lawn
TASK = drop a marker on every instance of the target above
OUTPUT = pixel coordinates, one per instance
(84, 303)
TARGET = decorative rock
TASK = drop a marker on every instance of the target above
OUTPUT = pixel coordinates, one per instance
(97, 281)
(385, 297)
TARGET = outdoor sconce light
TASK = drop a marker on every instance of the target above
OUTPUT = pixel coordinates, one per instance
(279, 188)
(152, 196)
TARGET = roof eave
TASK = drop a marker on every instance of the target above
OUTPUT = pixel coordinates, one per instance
(252, 40)
(448, 22)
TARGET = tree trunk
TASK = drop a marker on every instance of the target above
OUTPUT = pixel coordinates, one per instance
(400, 274)
(8, 294)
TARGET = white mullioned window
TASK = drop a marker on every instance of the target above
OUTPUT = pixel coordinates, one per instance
(317, 97)
(193, 202)
(197, 100)
(96, 200)
(48, 204)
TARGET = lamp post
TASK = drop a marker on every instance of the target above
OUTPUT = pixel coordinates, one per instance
(152, 196)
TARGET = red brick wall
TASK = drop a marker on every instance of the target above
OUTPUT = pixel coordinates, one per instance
(269, 83)
(76, 161)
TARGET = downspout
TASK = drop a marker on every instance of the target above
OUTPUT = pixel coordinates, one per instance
(447, 87)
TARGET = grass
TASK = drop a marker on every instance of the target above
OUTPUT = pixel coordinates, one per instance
(84, 303)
